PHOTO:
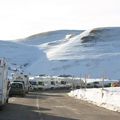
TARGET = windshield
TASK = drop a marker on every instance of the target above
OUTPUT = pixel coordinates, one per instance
(20, 81)
(16, 85)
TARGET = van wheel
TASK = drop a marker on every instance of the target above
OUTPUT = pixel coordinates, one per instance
(1, 107)
(7, 100)
(23, 95)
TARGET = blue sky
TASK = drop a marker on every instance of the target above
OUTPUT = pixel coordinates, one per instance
(21, 18)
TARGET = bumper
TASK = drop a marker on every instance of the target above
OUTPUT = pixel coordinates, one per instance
(16, 92)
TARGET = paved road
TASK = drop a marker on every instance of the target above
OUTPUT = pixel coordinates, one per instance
(53, 105)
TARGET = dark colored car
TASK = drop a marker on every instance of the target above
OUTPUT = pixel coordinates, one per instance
(17, 88)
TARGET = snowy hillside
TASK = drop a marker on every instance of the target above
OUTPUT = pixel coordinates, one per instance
(18, 55)
(93, 52)
(21, 54)
(91, 44)
(48, 36)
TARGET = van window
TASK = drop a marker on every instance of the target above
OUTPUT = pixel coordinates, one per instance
(33, 82)
(40, 83)
(63, 82)
(52, 83)
(96, 82)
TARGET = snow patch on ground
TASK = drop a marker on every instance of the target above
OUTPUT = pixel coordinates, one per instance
(108, 98)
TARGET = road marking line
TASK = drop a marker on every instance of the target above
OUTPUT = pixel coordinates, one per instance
(38, 107)
(37, 102)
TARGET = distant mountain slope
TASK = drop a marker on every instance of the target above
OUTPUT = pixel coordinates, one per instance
(94, 52)
(18, 55)
(48, 36)
(90, 44)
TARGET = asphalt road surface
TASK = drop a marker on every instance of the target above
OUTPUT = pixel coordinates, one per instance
(53, 105)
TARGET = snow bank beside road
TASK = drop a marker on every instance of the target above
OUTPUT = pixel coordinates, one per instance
(108, 98)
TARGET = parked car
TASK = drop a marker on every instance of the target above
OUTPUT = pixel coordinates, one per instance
(17, 88)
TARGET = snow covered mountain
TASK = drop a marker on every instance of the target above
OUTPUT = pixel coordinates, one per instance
(18, 55)
(50, 36)
(94, 52)
(22, 54)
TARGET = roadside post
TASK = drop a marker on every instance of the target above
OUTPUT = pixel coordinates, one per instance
(102, 86)
(85, 82)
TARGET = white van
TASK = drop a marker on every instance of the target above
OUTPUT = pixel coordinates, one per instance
(43, 82)
(4, 88)
(20, 77)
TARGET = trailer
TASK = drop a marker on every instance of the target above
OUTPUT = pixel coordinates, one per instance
(64, 83)
(43, 82)
(4, 83)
